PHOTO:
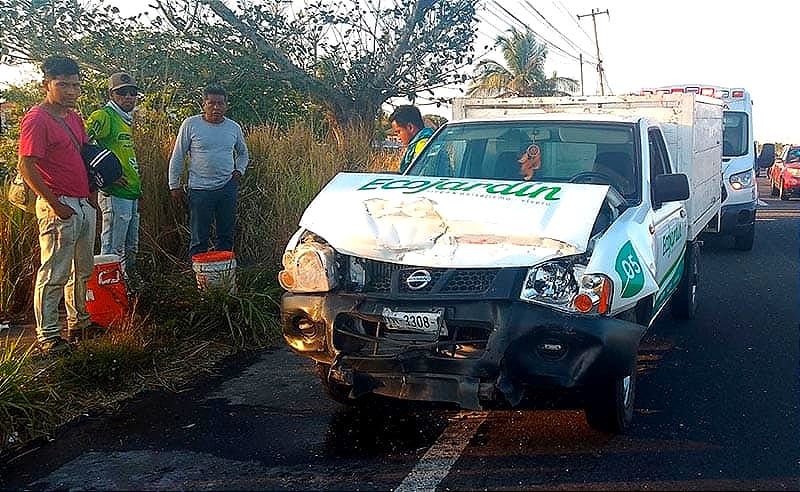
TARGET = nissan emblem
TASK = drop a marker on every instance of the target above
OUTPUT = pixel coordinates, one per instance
(418, 280)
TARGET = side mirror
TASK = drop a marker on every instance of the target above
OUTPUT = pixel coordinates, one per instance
(670, 188)
(767, 157)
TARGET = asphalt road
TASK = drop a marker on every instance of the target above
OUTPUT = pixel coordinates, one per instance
(717, 409)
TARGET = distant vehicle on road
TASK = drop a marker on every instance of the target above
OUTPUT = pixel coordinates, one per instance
(766, 158)
(739, 192)
(784, 175)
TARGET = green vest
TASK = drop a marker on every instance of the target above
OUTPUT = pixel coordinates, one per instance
(109, 130)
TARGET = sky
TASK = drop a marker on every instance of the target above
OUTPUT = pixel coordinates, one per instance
(645, 44)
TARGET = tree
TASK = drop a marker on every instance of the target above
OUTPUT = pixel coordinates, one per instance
(350, 57)
(523, 73)
(170, 67)
(347, 57)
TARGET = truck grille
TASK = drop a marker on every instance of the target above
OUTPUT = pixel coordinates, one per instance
(380, 276)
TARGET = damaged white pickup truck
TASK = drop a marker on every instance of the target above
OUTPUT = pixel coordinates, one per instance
(528, 249)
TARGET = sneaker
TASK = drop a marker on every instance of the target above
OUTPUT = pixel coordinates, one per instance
(54, 346)
(92, 330)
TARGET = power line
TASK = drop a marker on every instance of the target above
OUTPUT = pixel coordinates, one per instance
(573, 18)
(605, 78)
(484, 20)
(554, 28)
(526, 27)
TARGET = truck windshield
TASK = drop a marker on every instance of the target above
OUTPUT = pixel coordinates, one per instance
(735, 141)
(550, 151)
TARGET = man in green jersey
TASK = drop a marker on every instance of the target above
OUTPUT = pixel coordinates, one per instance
(110, 127)
(409, 127)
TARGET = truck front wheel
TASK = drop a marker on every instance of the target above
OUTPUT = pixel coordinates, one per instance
(684, 300)
(610, 408)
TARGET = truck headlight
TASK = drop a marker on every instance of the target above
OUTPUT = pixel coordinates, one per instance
(742, 180)
(310, 267)
(563, 285)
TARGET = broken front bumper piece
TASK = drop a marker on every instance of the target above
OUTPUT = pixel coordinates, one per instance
(484, 349)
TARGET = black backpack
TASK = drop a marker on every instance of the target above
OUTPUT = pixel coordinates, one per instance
(102, 165)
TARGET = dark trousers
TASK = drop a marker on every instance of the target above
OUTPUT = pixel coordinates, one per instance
(218, 206)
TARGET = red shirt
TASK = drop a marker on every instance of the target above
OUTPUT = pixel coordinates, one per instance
(57, 159)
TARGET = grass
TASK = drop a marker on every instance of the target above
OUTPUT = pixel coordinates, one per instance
(25, 395)
(174, 331)
(19, 252)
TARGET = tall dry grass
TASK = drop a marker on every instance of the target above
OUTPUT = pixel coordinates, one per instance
(171, 320)
(19, 258)
(287, 169)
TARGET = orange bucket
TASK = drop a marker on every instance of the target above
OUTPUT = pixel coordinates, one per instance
(215, 269)
(106, 291)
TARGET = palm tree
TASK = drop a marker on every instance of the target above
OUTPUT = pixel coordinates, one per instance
(523, 73)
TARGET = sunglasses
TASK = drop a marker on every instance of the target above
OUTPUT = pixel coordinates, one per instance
(127, 91)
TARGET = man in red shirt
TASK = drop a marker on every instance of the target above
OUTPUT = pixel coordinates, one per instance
(51, 134)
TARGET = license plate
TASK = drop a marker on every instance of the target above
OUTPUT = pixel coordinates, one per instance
(421, 322)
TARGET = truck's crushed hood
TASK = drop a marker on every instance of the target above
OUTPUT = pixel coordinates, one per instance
(453, 222)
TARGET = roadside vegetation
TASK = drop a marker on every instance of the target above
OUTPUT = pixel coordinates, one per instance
(308, 86)
(174, 331)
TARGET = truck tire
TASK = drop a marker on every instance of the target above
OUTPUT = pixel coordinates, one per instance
(610, 407)
(337, 392)
(684, 300)
(744, 242)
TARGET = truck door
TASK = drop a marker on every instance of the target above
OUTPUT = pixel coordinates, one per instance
(670, 224)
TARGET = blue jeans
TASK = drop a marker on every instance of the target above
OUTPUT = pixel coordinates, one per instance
(120, 234)
(218, 206)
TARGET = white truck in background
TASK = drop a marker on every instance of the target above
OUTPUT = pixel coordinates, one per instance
(740, 194)
(527, 248)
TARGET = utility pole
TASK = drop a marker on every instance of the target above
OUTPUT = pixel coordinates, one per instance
(580, 60)
(594, 14)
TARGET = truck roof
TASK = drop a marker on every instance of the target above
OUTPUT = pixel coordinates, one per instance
(553, 116)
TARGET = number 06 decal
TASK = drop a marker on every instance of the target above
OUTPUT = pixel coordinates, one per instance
(629, 271)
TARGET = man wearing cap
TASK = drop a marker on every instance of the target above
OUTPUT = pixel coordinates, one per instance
(110, 127)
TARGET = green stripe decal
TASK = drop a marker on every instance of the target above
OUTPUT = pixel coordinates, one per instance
(674, 275)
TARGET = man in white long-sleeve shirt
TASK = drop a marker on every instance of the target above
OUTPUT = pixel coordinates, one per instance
(217, 160)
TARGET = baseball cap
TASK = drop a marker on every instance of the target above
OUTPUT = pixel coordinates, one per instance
(121, 79)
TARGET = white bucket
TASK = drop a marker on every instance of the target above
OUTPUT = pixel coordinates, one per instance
(215, 270)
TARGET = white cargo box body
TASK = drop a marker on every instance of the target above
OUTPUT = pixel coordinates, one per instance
(691, 124)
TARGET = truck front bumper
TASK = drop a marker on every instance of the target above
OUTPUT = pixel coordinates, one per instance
(738, 219)
(490, 350)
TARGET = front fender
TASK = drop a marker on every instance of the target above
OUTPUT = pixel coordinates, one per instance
(625, 254)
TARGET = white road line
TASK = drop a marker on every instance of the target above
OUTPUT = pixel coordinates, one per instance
(436, 464)
(762, 203)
